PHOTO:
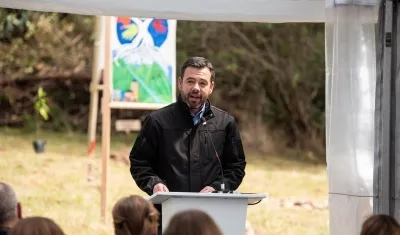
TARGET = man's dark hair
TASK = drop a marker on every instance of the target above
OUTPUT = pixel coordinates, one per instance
(8, 203)
(198, 62)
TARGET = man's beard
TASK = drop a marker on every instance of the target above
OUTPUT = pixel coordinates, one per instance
(194, 101)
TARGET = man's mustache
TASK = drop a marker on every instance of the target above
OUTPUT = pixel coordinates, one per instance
(197, 94)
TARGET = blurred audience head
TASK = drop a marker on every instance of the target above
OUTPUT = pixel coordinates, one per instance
(135, 215)
(380, 225)
(192, 222)
(10, 208)
(36, 226)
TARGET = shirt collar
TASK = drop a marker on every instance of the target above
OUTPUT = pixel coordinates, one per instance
(200, 113)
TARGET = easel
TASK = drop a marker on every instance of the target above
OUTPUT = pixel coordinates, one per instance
(103, 50)
(101, 55)
(95, 87)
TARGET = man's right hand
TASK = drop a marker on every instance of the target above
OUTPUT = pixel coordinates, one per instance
(160, 188)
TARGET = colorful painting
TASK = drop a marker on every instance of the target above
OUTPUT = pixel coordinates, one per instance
(143, 60)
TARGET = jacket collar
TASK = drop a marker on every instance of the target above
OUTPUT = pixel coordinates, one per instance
(4, 230)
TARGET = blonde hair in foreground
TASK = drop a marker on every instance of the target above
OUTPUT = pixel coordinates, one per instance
(134, 215)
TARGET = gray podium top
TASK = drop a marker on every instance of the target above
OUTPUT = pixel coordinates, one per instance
(252, 198)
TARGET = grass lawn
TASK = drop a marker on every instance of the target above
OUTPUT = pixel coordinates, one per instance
(54, 184)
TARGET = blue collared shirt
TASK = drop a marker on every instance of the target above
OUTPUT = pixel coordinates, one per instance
(199, 115)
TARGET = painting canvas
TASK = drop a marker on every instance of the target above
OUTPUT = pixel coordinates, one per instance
(143, 60)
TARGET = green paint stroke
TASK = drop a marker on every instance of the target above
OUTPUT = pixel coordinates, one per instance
(154, 84)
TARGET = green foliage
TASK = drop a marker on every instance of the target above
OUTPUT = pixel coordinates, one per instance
(13, 23)
(271, 76)
(44, 44)
(41, 106)
(268, 75)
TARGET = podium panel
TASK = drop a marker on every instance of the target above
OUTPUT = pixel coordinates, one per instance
(229, 215)
(227, 210)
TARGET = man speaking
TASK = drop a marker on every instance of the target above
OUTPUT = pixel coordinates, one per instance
(179, 145)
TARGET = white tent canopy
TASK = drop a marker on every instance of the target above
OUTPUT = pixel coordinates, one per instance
(351, 75)
(206, 10)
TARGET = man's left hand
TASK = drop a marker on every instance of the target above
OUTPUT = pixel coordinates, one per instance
(207, 189)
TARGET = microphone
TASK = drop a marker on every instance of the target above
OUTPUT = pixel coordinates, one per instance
(204, 123)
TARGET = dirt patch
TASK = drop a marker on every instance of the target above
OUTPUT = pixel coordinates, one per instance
(121, 156)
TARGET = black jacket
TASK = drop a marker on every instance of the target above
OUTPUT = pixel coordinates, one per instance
(171, 150)
(4, 231)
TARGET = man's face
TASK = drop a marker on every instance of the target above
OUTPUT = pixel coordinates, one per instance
(195, 87)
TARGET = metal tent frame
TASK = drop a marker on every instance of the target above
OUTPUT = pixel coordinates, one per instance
(352, 188)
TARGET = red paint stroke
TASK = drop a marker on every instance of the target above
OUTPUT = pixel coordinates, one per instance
(159, 27)
(124, 20)
(92, 146)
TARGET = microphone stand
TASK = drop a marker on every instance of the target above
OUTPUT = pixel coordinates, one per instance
(204, 123)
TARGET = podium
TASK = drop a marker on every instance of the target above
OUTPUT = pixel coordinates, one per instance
(227, 209)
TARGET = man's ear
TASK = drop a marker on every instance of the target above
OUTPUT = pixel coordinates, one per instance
(180, 81)
(211, 87)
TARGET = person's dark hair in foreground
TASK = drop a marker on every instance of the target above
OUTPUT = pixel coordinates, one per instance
(134, 215)
(192, 222)
(36, 226)
(380, 225)
(10, 208)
